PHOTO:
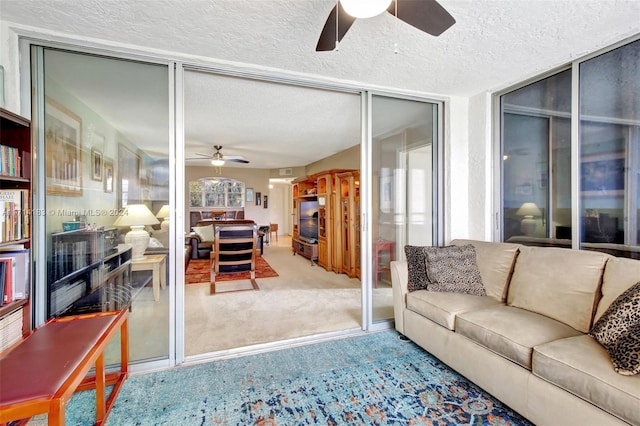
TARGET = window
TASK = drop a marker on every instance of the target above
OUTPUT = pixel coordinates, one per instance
(216, 193)
(536, 150)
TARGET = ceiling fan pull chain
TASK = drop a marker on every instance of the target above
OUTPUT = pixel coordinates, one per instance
(396, 23)
(337, 28)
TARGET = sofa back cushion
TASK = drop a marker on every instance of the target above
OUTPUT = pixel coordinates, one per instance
(495, 261)
(619, 274)
(562, 284)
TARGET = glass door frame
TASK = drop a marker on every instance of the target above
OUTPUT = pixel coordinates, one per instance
(32, 105)
(366, 196)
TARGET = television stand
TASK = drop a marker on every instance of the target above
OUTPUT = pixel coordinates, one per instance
(303, 248)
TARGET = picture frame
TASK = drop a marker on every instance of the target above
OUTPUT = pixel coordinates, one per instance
(96, 165)
(108, 176)
(386, 194)
(266, 200)
(63, 146)
(128, 177)
(249, 195)
(602, 175)
(258, 198)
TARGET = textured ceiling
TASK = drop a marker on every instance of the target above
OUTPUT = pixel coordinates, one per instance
(493, 44)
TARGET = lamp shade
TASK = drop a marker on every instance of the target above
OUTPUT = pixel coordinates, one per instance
(164, 213)
(137, 216)
(529, 209)
(365, 8)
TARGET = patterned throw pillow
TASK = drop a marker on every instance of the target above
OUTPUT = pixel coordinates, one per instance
(626, 352)
(418, 279)
(617, 330)
(454, 269)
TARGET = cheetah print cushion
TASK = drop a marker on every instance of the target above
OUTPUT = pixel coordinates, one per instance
(618, 330)
(625, 355)
(418, 279)
(454, 269)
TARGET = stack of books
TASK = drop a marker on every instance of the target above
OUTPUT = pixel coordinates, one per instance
(10, 162)
(14, 274)
(10, 329)
(14, 214)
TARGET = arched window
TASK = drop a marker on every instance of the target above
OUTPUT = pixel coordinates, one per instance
(216, 192)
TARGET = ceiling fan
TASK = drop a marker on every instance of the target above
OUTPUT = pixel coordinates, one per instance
(425, 15)
(217, 159)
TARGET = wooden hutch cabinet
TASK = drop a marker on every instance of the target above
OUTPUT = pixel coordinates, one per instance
(337, 193)
(349, 187)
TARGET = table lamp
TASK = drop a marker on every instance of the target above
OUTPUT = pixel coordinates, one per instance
(137, 216)
(164, 213)
(528, 224)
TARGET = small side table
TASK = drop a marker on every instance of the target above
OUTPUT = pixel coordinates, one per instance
(379, 247)
(157, 263)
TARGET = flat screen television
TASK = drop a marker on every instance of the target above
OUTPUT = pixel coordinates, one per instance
(309, 220)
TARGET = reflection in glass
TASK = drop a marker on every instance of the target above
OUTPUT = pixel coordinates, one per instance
(89, 266)
(536, 162)
(403, 134)
(609, 140)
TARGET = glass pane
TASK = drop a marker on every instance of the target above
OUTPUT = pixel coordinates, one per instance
(536, 167)
(609, 140)
(104, 162)
(403, 135)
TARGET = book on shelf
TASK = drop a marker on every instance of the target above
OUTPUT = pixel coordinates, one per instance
(21, 271)
(8, 265)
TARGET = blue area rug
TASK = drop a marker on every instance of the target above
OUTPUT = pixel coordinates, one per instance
(366, 380)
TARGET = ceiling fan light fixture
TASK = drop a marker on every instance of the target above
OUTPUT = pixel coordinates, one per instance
(217, 162)
(365, 8)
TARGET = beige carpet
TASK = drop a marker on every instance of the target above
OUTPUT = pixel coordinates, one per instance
(303, 301)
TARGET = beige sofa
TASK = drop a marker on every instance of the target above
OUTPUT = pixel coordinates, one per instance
(526, 341)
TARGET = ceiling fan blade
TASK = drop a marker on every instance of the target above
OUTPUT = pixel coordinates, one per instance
(425, 15)
(327, 40)
(236, 160)
(203, 155)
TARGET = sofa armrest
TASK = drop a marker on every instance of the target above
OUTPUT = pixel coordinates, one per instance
(400, 285)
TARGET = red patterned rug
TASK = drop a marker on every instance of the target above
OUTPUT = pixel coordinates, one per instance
(198, 272)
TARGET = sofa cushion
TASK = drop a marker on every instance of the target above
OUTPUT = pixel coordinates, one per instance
(442, 308)
(581, 366)
(619, 274)
(562, 284)
(511, 332)
(495, 262)
(205, 233)
(453, 269)
(416, 267)
(616, 328)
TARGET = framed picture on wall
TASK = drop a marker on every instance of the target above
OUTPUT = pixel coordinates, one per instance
(266, 200)
(249, 193)
(258, 198)
(96, 165)
(63, 142)
(108, 175)
(128, 180)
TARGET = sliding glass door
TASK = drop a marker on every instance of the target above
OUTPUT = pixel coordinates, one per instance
(103, 170)
(404, 137)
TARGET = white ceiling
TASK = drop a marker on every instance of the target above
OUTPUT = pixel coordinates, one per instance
(494, 43)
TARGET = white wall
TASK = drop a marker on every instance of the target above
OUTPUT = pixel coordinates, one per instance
(456, 158)
(9, 59)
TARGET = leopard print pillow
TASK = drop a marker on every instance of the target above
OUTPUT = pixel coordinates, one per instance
(454, 269)
(625, 354)
(623, 313)
(418, 279)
